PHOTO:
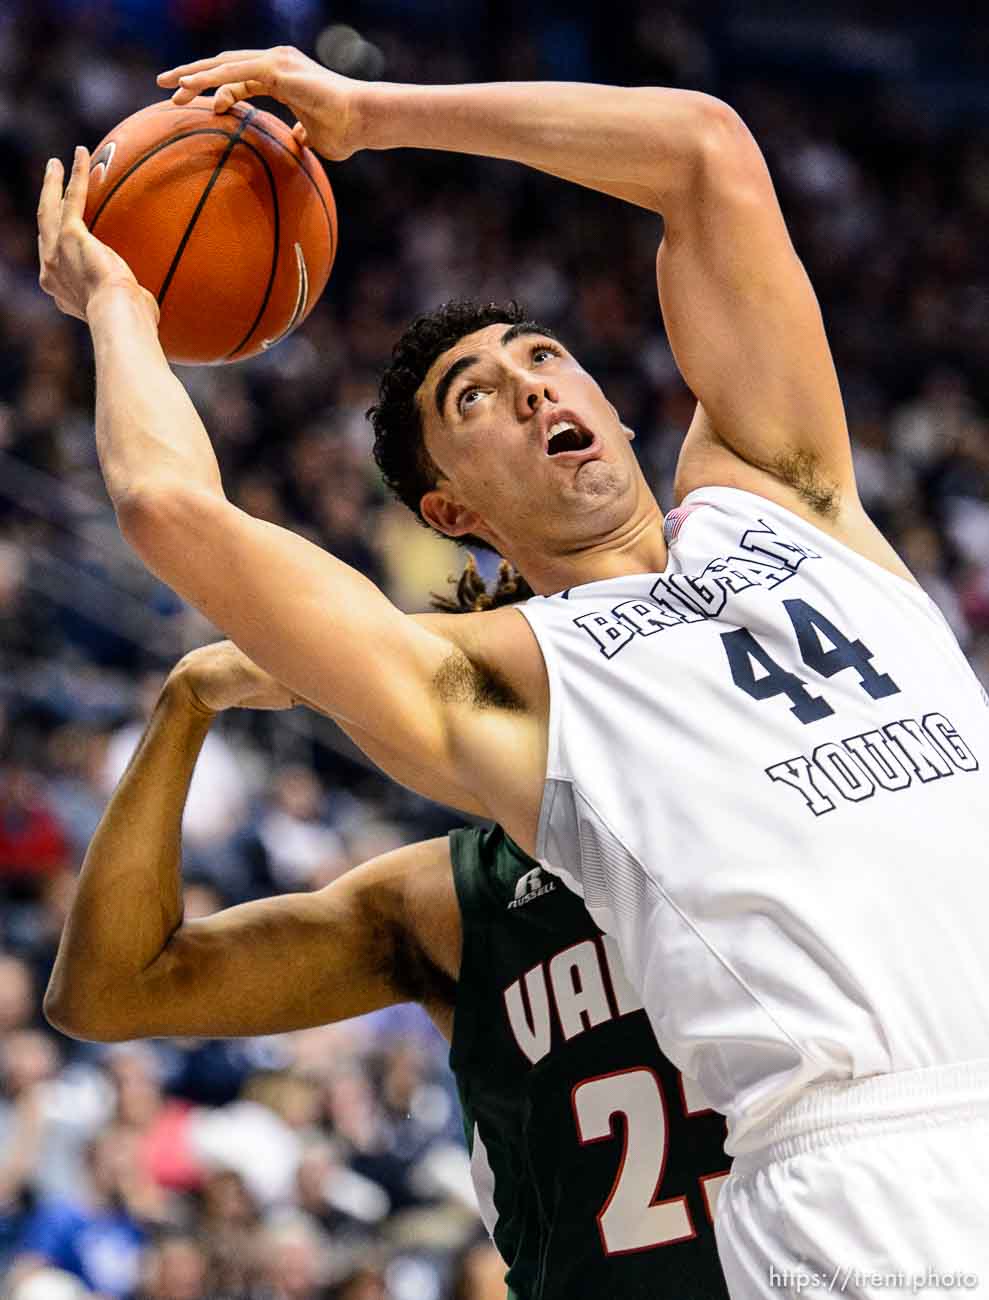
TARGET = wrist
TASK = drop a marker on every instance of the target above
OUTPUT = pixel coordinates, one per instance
(378, 109)
(179, 694)
(111, 293)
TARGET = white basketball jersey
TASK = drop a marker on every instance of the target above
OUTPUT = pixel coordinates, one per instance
(768, 776)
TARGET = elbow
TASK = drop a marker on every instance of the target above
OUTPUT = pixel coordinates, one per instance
(723, 153)
(157, 519)
(134, 509)
(718, 125)
(64, 1018)
(149, 510)
(84, 1018)
(708, 155)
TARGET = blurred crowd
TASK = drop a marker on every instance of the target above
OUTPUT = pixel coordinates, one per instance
(330, 1163)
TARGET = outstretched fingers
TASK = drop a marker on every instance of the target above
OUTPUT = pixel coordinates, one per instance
(50, 210)
(74, 202)
(171, 78)
(233, 82)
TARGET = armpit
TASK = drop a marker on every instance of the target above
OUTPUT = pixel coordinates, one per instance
(415, 975)
(459, 680)
(801, 471)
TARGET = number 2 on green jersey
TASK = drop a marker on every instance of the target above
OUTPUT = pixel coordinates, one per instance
(630, 1218)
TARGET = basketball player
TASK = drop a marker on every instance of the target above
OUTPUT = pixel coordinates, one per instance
(743, 732)
(595, 1168)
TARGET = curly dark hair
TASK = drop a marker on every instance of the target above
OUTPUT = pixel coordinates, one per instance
(399, 443)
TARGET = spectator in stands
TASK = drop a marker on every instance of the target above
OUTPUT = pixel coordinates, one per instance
(480, 1274)
(33, 846)
(18, 995)
(75, 755)
(217, 805)
(228, 1221)
(365, 1284)
(97, 1238)
(174, 1267)
(28, 1062)
(162, 1125)
(50, 1284)
(292, 1256)
(303, 850)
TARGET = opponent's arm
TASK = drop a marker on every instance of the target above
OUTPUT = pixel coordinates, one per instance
(129, 966)
(315, 623)
(742, 318)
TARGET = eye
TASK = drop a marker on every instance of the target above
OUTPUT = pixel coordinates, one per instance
(467, 397)
(541, 351)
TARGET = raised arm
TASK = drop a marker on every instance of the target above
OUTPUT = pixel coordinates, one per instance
(311, 620)
(741, 316)
(128, 966)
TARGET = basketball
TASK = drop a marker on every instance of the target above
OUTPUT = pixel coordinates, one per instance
(224, 217)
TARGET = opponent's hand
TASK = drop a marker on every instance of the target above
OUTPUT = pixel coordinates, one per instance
(325, 103)
(220, 676)
(74, 263)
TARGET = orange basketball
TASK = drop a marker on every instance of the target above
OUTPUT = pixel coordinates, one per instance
(226, 219)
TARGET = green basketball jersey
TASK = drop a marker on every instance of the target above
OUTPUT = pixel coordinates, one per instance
(595, 1168)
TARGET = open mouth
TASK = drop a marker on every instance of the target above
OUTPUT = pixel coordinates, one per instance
(564, 436)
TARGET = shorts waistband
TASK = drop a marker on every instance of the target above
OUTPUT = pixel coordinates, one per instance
(843, 1110)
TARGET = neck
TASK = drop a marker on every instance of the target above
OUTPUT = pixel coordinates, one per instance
(637, 547)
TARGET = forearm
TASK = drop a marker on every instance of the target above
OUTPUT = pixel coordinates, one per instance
(640, 143)
(129, 965)
(147, 430)
(129, 899)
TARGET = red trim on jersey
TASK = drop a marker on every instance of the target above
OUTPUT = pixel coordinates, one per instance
(610, 1137)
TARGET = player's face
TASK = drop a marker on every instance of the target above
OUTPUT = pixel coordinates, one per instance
(530, 451)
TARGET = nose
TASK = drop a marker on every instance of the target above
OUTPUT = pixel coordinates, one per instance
(532, 394)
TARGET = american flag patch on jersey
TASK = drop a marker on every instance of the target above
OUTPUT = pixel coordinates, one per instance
(674, 521)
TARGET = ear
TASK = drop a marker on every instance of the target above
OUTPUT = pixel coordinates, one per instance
(629, 433)
(448, 516)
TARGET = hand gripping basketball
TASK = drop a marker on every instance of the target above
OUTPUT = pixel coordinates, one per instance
(74, 263)
(325, 103)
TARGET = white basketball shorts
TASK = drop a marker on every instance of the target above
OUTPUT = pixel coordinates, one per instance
(875, 1187)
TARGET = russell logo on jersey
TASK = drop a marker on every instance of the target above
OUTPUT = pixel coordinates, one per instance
(530, 886)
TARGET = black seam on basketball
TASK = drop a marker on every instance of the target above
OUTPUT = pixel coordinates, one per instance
(300, 162)
(307, 174)
(156, 149)
(256, 126)
(275, 251)
(207, 191)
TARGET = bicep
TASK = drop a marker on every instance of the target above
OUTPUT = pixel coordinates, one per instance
(743, 320)
(285, 963)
